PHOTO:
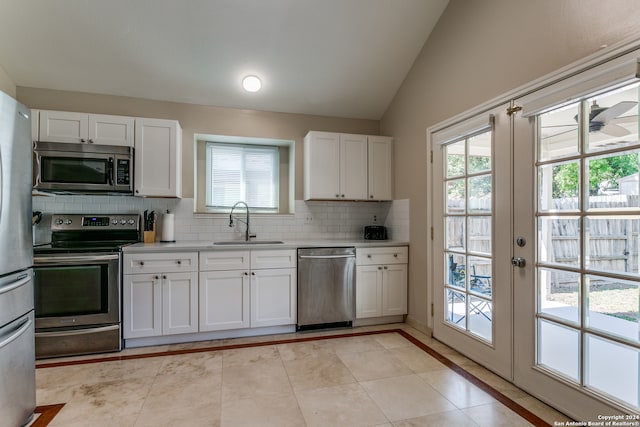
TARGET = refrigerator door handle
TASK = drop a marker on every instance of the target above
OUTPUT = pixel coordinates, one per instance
(24, 327)
(22, 280)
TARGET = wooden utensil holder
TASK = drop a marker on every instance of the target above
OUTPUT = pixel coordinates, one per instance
(149, 236)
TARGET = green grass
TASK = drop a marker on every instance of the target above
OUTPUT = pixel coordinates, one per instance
(619, 302)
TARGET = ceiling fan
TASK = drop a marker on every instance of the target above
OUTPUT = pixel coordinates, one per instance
(606, 120)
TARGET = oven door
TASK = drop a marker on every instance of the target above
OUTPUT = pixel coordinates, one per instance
(75, 290)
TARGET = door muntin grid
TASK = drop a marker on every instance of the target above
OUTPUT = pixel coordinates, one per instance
(588, 228)
(468, 221)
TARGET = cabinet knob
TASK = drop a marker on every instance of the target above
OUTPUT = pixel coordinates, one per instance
(156, 277)
(179, 262)
(90, 141)
(379, 268)
(164, 276)
(343, 196)
(371, 196)
(395, 255)
(385, 267)
(369, 256)
(141, 263)
(245, 273)
(337, 196)
(253, 273)
(83, 140)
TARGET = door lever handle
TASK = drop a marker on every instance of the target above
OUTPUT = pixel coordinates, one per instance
(518, 262)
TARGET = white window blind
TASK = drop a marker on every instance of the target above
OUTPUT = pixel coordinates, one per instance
(240, 172)
(470, 126)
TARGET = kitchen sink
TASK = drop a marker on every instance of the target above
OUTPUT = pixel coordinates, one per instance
(250, 242)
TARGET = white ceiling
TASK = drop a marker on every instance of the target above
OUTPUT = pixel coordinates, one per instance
(344, 58)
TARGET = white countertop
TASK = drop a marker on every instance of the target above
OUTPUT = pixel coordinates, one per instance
(196, 245)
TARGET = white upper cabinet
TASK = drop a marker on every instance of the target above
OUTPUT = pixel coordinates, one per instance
(83, 128)
(335, 166)
(380, 167)
(158, 158)
(347, 167)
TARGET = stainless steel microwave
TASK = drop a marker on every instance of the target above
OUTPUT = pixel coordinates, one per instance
(82, 168)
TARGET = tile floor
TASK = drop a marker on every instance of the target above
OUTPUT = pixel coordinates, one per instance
(370, 380)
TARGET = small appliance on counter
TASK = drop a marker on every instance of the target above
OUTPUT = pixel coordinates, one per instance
(375, 232)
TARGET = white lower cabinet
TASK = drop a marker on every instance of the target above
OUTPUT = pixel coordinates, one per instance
(242, 289)
(161, 297)
(381, 282)
(224, 300)
(273, 297)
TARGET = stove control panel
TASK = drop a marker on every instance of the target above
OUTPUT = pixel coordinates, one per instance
(68, 222)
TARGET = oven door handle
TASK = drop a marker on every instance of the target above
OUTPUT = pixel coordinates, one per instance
(82, 331)
(73, 259)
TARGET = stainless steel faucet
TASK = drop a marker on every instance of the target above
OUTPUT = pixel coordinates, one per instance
(247, 233)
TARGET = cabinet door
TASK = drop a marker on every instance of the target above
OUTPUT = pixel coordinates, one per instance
(111, 130)
(158, 158)
(179, 303)
(353, 167)
(368, 291)
(273, 297)
(142, 305)
(64, 126)
(380, 151)
(224, 300)
(322, 165)
(394, 290)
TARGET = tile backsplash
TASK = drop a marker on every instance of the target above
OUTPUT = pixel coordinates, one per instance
(312, 220)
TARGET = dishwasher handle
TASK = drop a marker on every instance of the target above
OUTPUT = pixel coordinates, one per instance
(325, 256)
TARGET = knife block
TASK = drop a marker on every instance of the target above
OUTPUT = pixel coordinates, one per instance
(150, 236)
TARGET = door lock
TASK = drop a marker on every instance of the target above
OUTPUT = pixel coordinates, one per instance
(518, 262)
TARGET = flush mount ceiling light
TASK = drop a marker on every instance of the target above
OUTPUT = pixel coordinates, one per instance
(251, 83)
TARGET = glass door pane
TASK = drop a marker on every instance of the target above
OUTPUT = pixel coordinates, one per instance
(468, 185)
(588, 229)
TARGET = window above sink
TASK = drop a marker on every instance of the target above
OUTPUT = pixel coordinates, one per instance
(230, 168)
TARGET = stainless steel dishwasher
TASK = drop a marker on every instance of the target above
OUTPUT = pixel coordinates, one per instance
(326, 291)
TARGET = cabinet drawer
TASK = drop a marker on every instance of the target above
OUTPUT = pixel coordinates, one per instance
(273, 259)
(160, 262)
(224, 260)
(385, 255)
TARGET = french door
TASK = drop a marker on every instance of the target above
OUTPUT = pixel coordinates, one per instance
(576, 298)
(472, 238)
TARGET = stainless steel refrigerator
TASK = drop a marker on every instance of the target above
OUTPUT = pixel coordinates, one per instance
(17, 354)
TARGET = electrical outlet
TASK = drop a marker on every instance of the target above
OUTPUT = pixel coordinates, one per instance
(375, 219)
(308, 219)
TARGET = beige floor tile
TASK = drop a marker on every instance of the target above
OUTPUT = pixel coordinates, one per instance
(195, 364)
(417, 360)
(371, 365)
(355, 344)
(542, 410)
(442, 419)
(263, 412)
(344, 405)
(250, 355)
(406, 397)
(301, 350)
(257, 380)
(495, 415)
(93, 404)
(497, 382)
(456, 389)
(318, 371)
(392, 340)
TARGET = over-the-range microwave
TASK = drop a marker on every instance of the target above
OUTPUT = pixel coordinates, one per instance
(82, 168)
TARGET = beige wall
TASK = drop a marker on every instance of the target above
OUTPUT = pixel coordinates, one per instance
(478, 51)
(6, 84)
(201, 119)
